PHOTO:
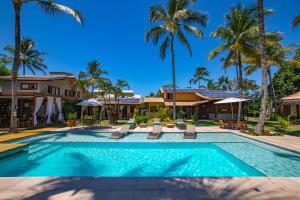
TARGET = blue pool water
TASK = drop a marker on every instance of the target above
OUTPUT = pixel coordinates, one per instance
(93, 154)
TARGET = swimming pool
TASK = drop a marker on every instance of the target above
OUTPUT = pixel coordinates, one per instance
(93, 154)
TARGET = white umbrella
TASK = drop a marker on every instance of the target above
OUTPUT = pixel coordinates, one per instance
(89, 102)
(231, 100)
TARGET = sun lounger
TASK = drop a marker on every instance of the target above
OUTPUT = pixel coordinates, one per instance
(190, 132)
(132, 123)
(156, 133)
(119, 134)
(180, 124)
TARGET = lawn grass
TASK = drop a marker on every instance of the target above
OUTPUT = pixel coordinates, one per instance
(273, 126)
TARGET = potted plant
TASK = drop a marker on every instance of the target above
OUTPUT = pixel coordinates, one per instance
(71, 119)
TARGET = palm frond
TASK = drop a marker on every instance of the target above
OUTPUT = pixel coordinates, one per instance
(184, 41)
(296, 21)
(192, 29)
(163, 47)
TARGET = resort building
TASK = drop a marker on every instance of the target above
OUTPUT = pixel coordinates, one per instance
(38, 96)
(291, 105)
(197, 103)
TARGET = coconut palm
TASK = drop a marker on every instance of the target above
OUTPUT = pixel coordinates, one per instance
(199, 75)
(171, 22)
(117, 89)
(276, 55)
(30, 58)
(238, 35)
(296, 21)
(93, 74)
(224, 83)
(261, 23)
(50, 7)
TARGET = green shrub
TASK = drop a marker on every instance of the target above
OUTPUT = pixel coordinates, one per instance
(180, 114)
(282, 122)
(72, 116)
(163, 113)
(88, 117)
(141, 119)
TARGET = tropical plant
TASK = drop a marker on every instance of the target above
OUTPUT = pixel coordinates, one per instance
(238, 35)
(296, 21)
(72, 116)
(93, 74)
(142, 119)
(171, 21)
(4, 71)
(200, 75)
(224, 83)
(30, 58)
(117, 90)
(152, 94)
(276, 55)
(50, 7)
(261, 23)
(163, 113)
(211, 85)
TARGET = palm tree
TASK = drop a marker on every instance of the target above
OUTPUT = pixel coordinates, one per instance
(118, 87)
(199, 75)
(261, 23)
(50, 7)
(296, 21)
(30, 58)
(238, 36)
(276, 55)
(224, 83)
(93, 74)
(172, 20)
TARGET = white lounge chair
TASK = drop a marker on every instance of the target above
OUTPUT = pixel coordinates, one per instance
(156, 132)
(190, 132)
(120, 134)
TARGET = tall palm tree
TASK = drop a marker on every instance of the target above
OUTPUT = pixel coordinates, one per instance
(50, 7)
(200, 75)
(30, 58)
(261, 23)
(296, 21)
(224, 83)
(93, 74)
(117, 88)
(238, 36)
(276, 55)
(171, 22)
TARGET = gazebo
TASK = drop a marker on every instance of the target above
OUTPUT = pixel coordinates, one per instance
(88, 103)
(291, 105)
(230, 101)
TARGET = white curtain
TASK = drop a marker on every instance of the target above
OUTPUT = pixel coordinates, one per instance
(49, 109)
(58, 103)
(83, 108)
(38, 103)
(101, 112)
(121, 111)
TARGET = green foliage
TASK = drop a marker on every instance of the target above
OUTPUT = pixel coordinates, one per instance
(68, 108)
(142, 119)
(180, 114)
(252, 108)
(136, 113)
(282, 122)
(72, 116)
(286, 82)
(88, 117)
(163, 113)
(4, 71)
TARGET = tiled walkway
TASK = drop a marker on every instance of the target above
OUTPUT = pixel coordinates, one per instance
(80, 188)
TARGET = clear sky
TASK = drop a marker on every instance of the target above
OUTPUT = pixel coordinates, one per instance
(113, 33)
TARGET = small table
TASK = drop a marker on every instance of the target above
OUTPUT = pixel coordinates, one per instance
(170, 125)
(143, 125)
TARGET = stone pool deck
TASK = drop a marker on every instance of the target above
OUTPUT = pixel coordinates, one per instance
(88, 188)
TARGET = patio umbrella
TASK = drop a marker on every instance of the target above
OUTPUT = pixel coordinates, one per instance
(89, 102)
(231, 100)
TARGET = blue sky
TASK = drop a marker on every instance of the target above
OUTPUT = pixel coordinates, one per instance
(113, 33)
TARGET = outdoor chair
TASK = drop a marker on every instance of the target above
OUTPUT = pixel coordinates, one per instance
(120, 134)
(190, 132)
(180, 124)
(132, 123)
(156, 132)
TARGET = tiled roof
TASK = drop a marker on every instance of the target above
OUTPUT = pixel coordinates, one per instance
(204, 92)
(38, 77)
(295, 96)
(153, 100)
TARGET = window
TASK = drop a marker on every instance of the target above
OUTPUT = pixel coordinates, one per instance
(29, 86)
(53, 90)
(78, 95)
(69, 93)
(169, 96)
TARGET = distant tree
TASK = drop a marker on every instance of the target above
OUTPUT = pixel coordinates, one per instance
(171, 22)
(30, 58)
(4, 71)
(286, 81)
(93, 74)
(152, 94)
(224, 83)
(200, 74)
(211, 85)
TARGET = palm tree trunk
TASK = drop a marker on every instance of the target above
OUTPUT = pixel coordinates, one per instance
(93, 87)
(272, 94)
(261, 23)
(240, 80)
(173, 77)
(16, 64)
(24, 70)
